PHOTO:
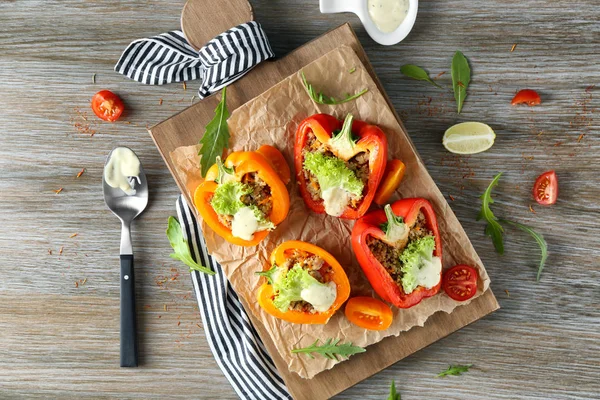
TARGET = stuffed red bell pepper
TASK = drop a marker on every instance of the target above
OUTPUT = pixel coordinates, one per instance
(400, 251)
(339, 165)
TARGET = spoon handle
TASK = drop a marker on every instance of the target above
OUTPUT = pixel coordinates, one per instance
(129, 348)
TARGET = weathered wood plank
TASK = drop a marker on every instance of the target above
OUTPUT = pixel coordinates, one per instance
(61, 341)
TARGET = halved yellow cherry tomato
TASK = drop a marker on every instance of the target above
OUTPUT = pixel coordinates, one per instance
(369, 313)
(394, 172)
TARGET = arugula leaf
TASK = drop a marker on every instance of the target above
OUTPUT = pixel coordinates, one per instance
(320, 98)
(181, 248)
(493, 229)
(538, 238)
(330, 349)
(393, 394)
(418, 73)
(455, 370)
(461, 77)
(216, 136)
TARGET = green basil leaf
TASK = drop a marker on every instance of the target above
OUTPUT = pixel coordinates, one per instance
(418, 73)
(461, 77)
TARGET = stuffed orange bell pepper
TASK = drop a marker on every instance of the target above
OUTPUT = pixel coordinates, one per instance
(400, 251)
(339, 165)
(305, 284)
(243, 198)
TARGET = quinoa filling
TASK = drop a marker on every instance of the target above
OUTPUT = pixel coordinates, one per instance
(260, 196)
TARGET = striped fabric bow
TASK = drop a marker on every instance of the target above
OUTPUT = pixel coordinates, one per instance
(169, 58)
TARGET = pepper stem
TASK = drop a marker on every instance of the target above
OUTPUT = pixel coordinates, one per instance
(395, 227)
(268, 273)
(343, 143)
(223, 171)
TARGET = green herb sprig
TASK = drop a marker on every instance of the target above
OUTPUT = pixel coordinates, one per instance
(493, 228)
(320, 98)
(331, 349)
(461, 77)
(455, 370)
(538, 238)
(393, 394)
(216, 136)
(181, 248)
(418, 73)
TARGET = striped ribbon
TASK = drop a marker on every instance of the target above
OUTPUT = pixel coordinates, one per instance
(168, 58)
(233, 340)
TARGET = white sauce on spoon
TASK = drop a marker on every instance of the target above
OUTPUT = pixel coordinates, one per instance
(122, 164)
(387, 14)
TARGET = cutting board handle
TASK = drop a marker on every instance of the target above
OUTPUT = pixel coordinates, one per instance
(202, 20)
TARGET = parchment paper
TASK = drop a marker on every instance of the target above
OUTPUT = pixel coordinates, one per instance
(272, 118)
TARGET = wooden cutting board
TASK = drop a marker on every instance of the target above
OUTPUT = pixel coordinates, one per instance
(187, 127)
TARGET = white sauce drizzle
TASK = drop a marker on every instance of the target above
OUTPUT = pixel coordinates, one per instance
(244, 223)
(430, 272)
(335, 200)
(321, 297)
(122, 164)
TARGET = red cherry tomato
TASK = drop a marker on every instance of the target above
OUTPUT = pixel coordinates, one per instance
(369, 313)
(460, 282)
(545, 189)
(107, 105)
(527, 96)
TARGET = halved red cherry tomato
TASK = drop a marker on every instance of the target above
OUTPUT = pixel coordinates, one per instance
(369, 313)
(527, 96)
(545, 189)
(107, 105)
(460, 282)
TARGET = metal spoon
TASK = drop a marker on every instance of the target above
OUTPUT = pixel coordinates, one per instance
(127, 208)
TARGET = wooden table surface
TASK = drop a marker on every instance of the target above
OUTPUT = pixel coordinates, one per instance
(59, 297)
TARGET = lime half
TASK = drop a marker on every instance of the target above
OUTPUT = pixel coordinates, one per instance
(468, 138)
